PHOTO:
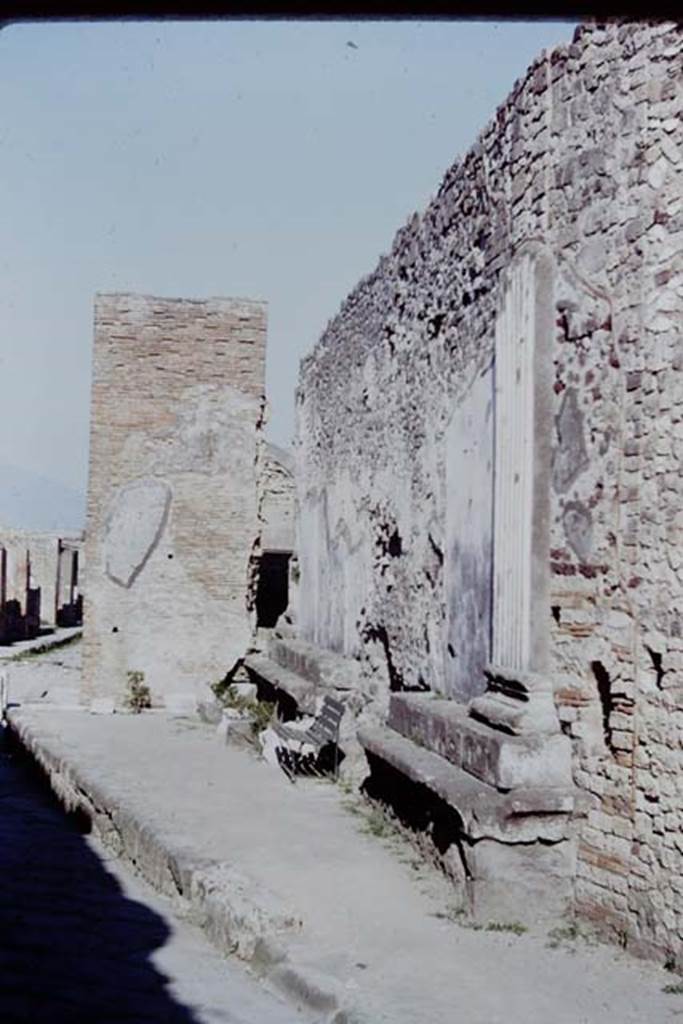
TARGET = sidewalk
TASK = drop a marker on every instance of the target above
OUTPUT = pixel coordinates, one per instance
(286, 877)
(39, 644)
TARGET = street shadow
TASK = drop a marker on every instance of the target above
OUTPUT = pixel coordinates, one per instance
(73, 947)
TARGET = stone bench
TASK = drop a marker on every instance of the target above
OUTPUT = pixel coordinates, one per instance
(300, 671)
(511, 854)
(524, 815)
(296, 689)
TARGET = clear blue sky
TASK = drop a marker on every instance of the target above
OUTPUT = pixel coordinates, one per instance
(269, 160)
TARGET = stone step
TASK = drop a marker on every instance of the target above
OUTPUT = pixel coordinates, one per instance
(317, 666)
(506, 762)
(525, 815)
(302, 691)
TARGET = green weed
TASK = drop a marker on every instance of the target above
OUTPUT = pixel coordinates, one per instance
(515, 927)
(139, 697)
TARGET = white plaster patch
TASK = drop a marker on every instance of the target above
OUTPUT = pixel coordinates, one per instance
(136, 523)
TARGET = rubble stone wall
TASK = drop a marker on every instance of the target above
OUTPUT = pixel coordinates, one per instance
(583, 158)
(172, 518)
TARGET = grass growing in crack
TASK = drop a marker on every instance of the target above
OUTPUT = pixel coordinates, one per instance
(674, 989)
(377, 825)
(565, 935)
(514, 927)
(353, 808)
(458, 915)
(373, 821)
(455, 914)
(562, 934)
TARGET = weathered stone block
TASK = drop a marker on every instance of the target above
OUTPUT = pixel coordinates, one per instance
(503, 761)
(311, 663)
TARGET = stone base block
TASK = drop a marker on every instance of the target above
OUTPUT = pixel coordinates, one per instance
(231, 729)
(519, 703)
(503, 761)
(529, 901)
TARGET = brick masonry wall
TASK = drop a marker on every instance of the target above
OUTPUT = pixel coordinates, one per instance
(616, 207)
(584, 158)
(172, 517)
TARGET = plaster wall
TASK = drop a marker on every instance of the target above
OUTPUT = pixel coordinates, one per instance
(172, 518)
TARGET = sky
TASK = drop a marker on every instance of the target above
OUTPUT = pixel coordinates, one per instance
(270, 160)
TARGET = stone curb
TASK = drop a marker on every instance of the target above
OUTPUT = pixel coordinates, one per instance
(227, 905)
(40, 644)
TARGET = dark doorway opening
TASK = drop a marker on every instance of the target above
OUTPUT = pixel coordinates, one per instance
(272, 592)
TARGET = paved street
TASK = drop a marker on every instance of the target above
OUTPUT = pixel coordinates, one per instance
(379, 923)
(82, 941)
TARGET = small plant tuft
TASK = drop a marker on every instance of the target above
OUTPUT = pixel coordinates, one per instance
(260, 712)
(674, 989)
(451, 913)
(515, 927)
(377, 825)
(139, 697)
(566, 935)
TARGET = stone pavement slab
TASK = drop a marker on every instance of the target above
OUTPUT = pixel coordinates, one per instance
(286, 877)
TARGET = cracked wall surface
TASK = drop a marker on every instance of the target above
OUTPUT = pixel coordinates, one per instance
(172, 520)
(585, 158)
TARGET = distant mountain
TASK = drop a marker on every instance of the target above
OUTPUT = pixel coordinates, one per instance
(32, 502)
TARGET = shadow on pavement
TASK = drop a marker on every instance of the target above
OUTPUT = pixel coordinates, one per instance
(73, 947)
